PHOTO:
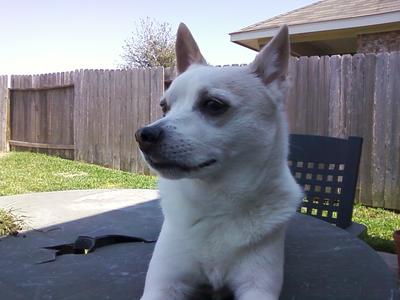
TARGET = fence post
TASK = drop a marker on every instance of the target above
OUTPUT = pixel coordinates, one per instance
(4, 115)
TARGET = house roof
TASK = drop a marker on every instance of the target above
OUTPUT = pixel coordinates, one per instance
(327, 10)
(326, 27)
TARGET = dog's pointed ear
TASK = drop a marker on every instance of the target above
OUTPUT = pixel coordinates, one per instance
(186, 49)
(273, 60)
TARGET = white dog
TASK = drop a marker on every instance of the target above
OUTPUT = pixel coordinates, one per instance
(227, 193)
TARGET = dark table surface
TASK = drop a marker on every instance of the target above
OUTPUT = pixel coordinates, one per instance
(322, 261)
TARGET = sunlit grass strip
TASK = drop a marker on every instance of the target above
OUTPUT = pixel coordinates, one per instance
(380, 223)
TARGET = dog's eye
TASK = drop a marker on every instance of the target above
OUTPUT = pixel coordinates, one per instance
(213, 106)
(164, 107)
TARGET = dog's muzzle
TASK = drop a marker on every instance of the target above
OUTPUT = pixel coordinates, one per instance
(166, 158)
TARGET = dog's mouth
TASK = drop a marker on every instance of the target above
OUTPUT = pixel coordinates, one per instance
(171, 165)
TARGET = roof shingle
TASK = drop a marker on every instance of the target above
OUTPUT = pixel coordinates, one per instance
(327, 10)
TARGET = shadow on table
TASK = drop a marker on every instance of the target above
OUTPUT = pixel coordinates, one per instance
(110, 272)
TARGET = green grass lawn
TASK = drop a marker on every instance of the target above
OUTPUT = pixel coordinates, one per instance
(24, 172)
(380, 223)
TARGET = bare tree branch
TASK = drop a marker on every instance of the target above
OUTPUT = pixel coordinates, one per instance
(151, 45)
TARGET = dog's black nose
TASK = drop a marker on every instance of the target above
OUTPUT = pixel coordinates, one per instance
(148, 136)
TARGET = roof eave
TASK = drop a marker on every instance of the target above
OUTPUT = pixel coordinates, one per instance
(362, 21)
(245, 45)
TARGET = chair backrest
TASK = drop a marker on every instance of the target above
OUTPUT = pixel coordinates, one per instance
(327, 169)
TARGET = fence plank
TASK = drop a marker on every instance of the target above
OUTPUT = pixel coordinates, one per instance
(78, 77)
(17, 111)
(70, 104)
(302, 90)
(131, 121)
(27, 112)
(129, 130)
(107, 119)
(93, 114)
(3, 113)
(125, 131)
(101, 117)
(90, 107)
(365, 119)
(143, 109)
(336, 126)
(392, 134)
(135, 165)
(111, 108)
(311, 99)
(291, 99)
(156, 92)
(378, 151)
(85, 117)
(359, 117)
(99, 148)
(116, 120)
(324, 90)
(347, 84)
(355, 104)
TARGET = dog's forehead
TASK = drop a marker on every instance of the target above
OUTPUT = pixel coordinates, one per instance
(199, 79)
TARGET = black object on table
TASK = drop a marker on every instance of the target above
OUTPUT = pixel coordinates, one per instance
(327, 169)
(322, 262)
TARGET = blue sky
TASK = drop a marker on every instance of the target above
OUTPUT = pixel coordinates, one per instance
(43, 36)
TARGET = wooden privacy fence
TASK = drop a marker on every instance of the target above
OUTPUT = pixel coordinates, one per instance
(109, 107)
(88, 115)
(92, 115)
(42, 113)
(354, 95)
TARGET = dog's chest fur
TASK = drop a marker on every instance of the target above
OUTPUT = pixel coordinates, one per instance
(220, 224)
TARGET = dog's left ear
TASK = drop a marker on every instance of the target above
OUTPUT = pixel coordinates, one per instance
(186, 49)
(273, 60)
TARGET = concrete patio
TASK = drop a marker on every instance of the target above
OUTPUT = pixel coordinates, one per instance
(41, 210)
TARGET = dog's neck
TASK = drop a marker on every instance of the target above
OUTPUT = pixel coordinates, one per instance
(185, 202)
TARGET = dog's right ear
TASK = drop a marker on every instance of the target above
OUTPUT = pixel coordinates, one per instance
(186, 49)
(272, 62)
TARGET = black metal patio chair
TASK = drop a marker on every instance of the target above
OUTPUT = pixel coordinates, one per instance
(327, 169)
